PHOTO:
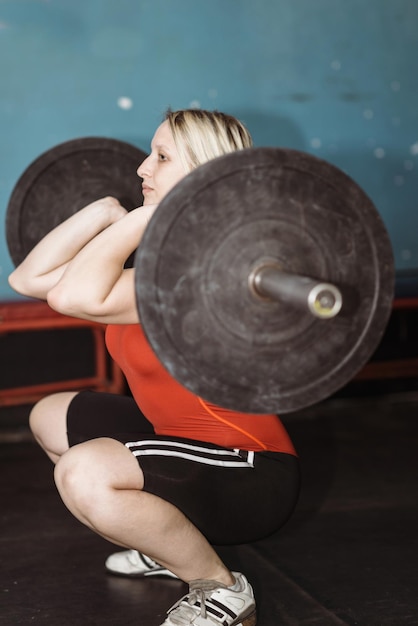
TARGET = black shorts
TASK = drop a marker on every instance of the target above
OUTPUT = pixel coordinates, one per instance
(232, 496)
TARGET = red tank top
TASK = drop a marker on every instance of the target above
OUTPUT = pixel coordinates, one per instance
(175, 411)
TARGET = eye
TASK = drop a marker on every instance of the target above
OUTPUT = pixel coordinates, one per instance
(162, 157)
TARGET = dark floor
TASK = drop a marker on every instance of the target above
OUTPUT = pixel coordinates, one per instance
(349, 555)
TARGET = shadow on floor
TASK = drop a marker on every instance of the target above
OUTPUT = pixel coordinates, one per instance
(347, 556)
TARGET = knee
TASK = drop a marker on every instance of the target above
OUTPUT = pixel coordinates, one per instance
(74, 482)
(87, 474)
(74, 475)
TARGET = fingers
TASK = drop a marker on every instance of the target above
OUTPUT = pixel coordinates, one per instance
(111, 206)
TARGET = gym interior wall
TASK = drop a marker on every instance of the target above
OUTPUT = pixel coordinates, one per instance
(333, 78)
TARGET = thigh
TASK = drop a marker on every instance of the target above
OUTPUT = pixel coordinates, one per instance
(232, 496)
(48, 422)
(93, 414)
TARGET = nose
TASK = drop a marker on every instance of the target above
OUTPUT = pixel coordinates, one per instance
(144, 168)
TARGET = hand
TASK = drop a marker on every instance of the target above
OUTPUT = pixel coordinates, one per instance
(110, 206)
(95, 284)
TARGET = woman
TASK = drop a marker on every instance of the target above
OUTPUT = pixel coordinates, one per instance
(163, 474)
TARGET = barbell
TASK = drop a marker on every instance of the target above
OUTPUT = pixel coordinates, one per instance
(264, 280)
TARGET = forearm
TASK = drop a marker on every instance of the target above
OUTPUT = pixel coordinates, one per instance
(95, 284)
(45, 264)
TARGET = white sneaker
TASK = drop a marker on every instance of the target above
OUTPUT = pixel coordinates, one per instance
(210, 603)
(134, 565)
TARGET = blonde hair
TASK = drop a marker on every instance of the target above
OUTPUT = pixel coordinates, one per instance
(202, 135)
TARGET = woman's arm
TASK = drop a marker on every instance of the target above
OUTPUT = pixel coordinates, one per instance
(95, 284)
(44, 266)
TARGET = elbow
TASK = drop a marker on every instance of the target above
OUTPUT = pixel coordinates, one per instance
(59, 301)
(14, 282)
(27, 284)
(18, 284)
(66, 302)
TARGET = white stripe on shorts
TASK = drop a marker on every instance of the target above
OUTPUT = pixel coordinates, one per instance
(200, 454)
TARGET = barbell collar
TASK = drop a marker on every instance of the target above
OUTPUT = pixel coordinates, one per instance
(323, 300)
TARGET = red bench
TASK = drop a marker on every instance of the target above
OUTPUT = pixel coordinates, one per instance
(23, 316)
(34, 315)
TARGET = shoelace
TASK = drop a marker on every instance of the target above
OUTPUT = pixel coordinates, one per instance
(199, 590)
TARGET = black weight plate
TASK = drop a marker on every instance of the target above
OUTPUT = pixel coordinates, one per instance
(204, 322)
(63, 180)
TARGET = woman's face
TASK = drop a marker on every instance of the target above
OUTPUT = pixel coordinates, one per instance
(162, 169)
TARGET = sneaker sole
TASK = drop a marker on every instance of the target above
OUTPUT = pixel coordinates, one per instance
(250, 620)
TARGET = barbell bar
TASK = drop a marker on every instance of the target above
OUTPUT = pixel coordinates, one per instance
(322, 300)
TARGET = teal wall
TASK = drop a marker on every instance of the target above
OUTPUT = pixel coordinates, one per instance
(336, 78)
